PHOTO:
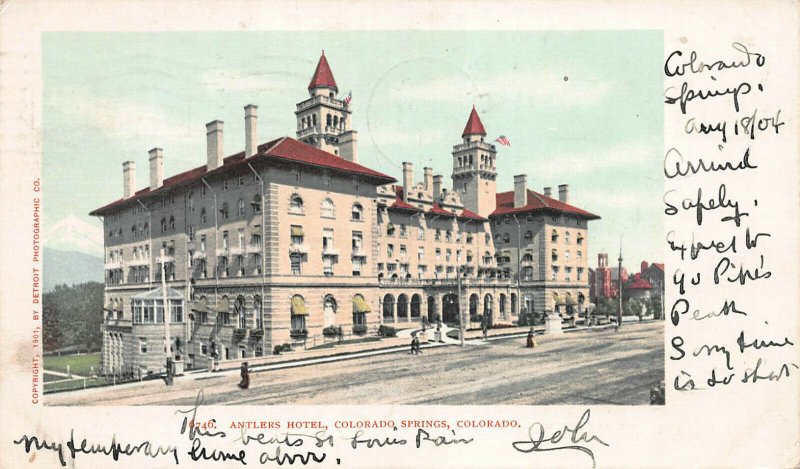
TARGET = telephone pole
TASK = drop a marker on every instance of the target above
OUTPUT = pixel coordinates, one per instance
(619, 281)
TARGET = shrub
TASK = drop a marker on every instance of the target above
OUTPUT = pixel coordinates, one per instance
(387, 331)
(332, 331)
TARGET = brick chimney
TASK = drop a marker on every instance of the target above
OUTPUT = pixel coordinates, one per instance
(548, 191)
(520, 190)
(428, 178)
(348, 146)
(408, 179)
(156, 168)
(437, 187)
(214, 141)
(128, 179)
(563, 193)
(250, 130)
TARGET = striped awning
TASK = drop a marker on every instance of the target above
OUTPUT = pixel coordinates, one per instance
(299, 306)
(297, 231)
(201, 306)
(360, 305)
(256, 230)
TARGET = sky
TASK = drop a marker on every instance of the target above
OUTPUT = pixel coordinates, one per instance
(580, 108)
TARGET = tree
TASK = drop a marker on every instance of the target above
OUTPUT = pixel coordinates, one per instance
(655, 308)
(73, 316)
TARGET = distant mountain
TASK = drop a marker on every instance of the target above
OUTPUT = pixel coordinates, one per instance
(70, 268)
(73, 234)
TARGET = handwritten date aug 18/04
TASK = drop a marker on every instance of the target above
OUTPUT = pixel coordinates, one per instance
(538, 442)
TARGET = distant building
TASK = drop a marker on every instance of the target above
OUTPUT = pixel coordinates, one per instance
(277, 243)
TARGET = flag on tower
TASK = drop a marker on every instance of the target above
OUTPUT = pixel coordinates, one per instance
(348, 97)
(503, 140)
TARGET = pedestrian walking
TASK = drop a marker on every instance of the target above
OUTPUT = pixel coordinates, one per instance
(531, 343)
(245, 374)
(416, 344)
(485, 331)
(413, 344)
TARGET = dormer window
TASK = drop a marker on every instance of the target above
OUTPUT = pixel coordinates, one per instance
(357, 212)
(296, 205)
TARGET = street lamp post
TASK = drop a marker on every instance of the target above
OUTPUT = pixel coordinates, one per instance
(166, 313)
(619, 281)
(460, 310)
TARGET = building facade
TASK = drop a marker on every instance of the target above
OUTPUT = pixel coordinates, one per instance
(290, 239)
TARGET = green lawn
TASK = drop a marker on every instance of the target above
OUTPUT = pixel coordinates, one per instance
(78, 364)
(345, 342)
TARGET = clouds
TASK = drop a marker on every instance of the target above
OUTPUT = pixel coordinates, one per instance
(117, 117)
(541, 86)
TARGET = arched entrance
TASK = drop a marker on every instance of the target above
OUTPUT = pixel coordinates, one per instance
(329, 310)
(402, 308)
(487, 310)
(450, 309)
(431, 309)
(388, 308)
(416, 306)
(502, 300)
(473, 307)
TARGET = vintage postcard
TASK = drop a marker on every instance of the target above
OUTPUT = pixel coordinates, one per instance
(340, 234)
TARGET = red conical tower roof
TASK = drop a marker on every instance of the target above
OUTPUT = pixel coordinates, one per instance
(323, 77)
(474, 125)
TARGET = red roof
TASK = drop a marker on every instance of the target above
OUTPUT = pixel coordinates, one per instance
(474, 125)
(284, 148)
(323, 77)
(470, 214)
(639, 284)
(437, 210)
(537, 202)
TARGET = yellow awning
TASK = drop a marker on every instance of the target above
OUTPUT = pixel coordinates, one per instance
(360, 305)
(506, 252)
(299, 306)
(256, 230)
(297, 231)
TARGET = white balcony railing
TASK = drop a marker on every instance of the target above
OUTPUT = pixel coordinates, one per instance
(298, 249)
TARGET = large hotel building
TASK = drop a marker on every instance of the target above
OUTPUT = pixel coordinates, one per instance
(276, 243)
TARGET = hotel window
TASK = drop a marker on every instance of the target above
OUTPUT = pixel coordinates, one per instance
(420, 253)
(242, 241)
(297, 234)
(447, 255)
(529, 218)
(450, 270)
(357, 213)
(403, 231)
(568, 274)
(580, 273)
(225, 241)
(487, 258)
(487, 238)
(390, 229)
(421, 271)
(527, 273)
(224, 210)
(327, 240)
(438, 236)
(438, 254)
(358, 241)
(506, 238)
(469, 238)
(238, 307)
(203, 216)
(579, 254)
(299, 313)
(296, 261)
(172, 223)
(390, 251)
(403, 252)
(439, 270)
(203, 189)
(241, 207)
(566, 255)
(327, 266)
(256, 203)
(296, 204)
(554, 236)
(163, 225)
(225, 184)
(191, 233)
(448, 236)
(223, 266)
(580, 239)
(529, 235)
(258, 312)
(566, 237)
(356, 267)
(143, 344)
(458, 255)
(554, 255)
(241, 180)
(554, 272)
(202, 243)
(327, 208)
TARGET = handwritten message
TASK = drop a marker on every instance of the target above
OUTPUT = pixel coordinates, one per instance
(723, 234)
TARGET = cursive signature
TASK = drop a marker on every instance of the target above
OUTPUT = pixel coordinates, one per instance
(537, 441)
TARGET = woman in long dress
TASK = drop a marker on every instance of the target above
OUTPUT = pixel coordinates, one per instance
(245, 374)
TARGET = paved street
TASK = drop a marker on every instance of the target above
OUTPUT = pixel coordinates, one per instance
(587, 367)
